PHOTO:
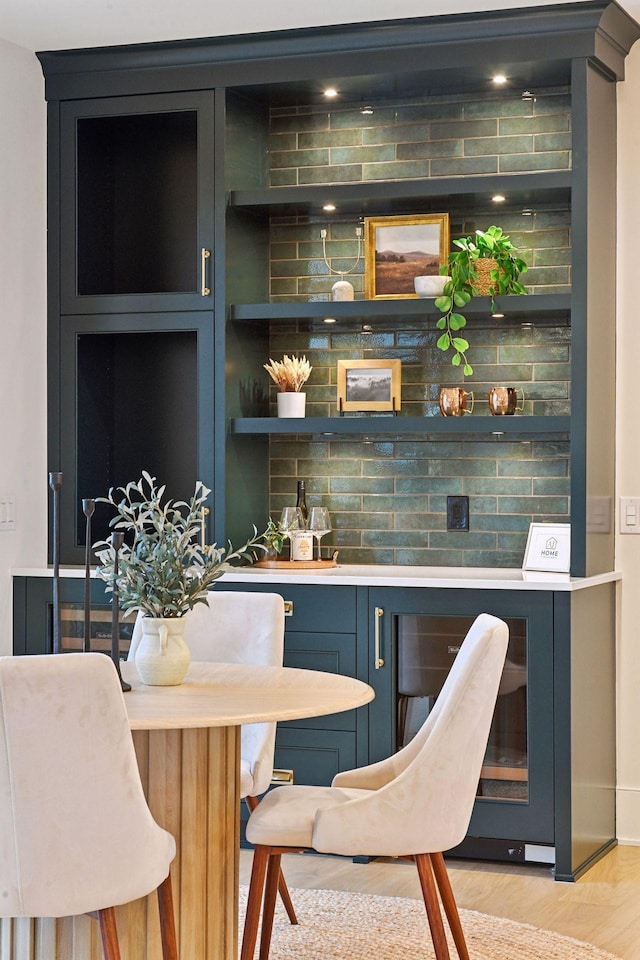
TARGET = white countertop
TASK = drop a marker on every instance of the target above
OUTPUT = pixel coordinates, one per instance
(465, 578)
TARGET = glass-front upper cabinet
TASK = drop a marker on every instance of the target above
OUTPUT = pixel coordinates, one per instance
(136, 203)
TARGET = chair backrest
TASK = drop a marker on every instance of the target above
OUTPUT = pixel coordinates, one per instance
(426, 804)
(76, 834)
(238, 627)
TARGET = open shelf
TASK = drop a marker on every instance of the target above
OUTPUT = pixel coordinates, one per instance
(547, 307)
(419, 196)
(403, 426)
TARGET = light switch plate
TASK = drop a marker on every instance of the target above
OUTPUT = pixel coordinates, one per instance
(629, 514)
(7, 513)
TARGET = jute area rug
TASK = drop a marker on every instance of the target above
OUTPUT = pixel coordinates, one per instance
(352, 926)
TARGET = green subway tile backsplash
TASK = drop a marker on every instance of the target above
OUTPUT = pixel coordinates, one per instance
(388, 497)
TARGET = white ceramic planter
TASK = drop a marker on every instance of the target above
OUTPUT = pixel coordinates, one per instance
(430, 286)
(162, 658)
(291, 404)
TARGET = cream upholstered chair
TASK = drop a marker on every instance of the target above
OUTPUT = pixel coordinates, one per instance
(241, 627)
(415, 804)
(76, 834)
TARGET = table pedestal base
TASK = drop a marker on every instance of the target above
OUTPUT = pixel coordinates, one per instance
(190, 779)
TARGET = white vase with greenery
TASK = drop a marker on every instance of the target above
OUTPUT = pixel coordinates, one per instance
(164, 569)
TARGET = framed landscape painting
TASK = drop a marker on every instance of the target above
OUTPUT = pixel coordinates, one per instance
(369, 385)
(399, 249)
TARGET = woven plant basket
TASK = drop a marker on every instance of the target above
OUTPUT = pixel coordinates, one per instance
(484, 266)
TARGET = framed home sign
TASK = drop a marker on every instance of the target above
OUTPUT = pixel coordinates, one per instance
(399, 249)
(369, 385)
(548, 548)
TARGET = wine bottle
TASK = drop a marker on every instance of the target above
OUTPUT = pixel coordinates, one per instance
(301, 503)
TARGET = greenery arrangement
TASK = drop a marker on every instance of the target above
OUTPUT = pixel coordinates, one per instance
(165, 570)
(290, 373)
(463, 269)
(274, 536)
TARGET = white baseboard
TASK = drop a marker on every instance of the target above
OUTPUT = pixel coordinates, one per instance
(628, 815)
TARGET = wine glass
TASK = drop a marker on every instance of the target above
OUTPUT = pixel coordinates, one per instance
(291, 521)
(319, 523)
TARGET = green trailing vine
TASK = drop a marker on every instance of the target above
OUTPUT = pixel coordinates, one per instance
(459, 290)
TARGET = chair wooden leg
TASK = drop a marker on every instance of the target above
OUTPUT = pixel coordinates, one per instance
(269, 906)
(285, 896)
(283, 889)
(109, 933)
(254, 902)
(432, 904)
(449, 904)
(167, 920)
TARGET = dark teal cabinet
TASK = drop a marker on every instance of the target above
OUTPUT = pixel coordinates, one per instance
(322, 631)
(162, 153)
(547, 790)
(136, 203)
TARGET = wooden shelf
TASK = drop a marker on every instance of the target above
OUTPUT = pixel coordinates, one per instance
(479, 426)
(417, 196)
(547, 308)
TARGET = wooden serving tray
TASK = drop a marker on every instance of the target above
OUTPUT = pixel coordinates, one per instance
(298, 564)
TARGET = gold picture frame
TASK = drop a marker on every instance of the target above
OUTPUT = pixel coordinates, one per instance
(369, 385)
(398, 249)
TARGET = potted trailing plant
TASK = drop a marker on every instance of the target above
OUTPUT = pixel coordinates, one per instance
(290, 374)
(274, 537)
(487, 253)
(163, 569)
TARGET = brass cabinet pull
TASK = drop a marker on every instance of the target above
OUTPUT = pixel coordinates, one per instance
(288, 608)
(282, 776)
(205, 255)
(378, 661)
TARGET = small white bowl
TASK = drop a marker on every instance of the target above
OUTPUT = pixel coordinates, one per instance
(431, 286)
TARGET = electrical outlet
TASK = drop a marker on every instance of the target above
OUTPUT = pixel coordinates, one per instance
(457, 513)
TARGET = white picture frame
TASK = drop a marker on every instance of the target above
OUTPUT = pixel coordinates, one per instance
(548, 548)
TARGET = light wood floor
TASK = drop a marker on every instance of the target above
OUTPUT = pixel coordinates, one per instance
(602, 907)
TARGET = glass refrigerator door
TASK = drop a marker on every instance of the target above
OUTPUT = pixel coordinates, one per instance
(427, 646)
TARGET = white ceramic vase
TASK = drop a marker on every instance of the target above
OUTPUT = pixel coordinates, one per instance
(291, 404)
(162, 658)
(342, 290)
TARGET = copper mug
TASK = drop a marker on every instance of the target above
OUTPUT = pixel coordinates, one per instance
(454, 401)
(503, 401)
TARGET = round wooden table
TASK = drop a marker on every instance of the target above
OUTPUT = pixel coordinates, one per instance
(187, 741)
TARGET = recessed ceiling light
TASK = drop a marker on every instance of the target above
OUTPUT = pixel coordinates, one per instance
(498, 198)
(499, 79)
(329, 207)
(498, 316)
(331, 92)
(329, 319)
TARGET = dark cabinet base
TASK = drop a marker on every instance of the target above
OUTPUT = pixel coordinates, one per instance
(564, 814)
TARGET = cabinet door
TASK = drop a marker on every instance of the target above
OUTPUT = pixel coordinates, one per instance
(419, 633)
(136, 195)
(33, 617)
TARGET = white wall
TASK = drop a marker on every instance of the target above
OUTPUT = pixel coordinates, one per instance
(628, 447)
(22, 317)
